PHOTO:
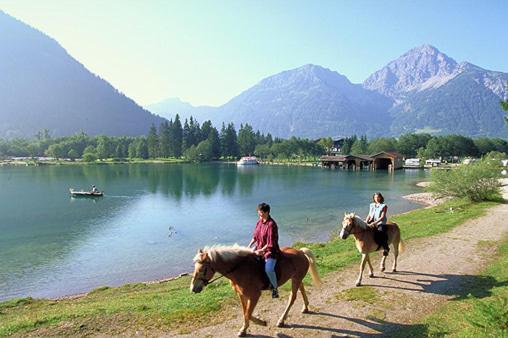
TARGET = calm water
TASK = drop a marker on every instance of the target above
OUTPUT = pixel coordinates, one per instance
(154, 217)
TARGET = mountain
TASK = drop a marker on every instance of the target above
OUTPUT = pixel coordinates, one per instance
(434, 93)
(309, 101)
(168, 108)
(424, 90)
(42, 86)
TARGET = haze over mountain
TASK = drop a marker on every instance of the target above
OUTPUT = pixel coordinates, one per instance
(42, 86)
(424, 90)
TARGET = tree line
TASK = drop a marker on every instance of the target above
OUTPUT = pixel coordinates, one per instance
(424, 145)
(204, 142)
(171, 139)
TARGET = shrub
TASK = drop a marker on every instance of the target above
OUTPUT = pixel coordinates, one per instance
(477, 181)
(89, 157)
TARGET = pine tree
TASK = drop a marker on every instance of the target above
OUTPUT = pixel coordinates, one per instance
(213, 138)
(176, 137)
(164, 139)
(153, 142)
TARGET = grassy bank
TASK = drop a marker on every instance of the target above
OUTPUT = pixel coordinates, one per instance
(482, 310)
(169, 305)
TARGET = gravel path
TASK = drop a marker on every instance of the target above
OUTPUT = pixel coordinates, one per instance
(431, 271)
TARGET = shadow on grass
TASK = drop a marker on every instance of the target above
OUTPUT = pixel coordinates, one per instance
(457, 286)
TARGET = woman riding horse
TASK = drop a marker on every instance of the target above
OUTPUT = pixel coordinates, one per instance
(377, 220)
(266, 240)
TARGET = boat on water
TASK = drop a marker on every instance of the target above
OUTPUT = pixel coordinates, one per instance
(81, 193)
(248, 160)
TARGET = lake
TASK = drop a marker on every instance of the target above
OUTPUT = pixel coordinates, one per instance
(153, 217)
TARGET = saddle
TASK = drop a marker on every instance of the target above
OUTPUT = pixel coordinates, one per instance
(261, 268)
(381, 239)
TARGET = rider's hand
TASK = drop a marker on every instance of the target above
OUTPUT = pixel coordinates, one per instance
(259, 252)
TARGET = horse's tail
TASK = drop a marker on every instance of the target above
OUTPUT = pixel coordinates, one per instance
(313, 270)
(402, 247)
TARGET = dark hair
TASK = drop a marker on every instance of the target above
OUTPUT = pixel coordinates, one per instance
(263, 207)
(380, 195)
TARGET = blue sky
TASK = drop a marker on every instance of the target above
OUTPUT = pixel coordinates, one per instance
(206, 52)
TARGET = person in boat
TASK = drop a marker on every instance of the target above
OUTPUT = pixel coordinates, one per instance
(266, 243)
(377, 220)
(94, 190)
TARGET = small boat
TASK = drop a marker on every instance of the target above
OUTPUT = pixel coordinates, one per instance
(75, 193)
(248, 160)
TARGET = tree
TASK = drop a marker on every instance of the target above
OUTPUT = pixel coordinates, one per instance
(142, 148)
(382, 144)
(213, 138)
(104, 147)
(360, 146)
(409, 144)
(326, 143)
(229, 143)
(153, 142)
(246, 140)
(176, 137)
(72, 154)
(347, 144)
(504, 104)
(164, 139)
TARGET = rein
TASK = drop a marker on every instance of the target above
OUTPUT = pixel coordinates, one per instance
(222, 275)
(355, 226)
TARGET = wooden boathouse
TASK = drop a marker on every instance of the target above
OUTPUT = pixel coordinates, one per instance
(380, 161)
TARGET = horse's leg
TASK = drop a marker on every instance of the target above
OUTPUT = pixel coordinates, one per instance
(371, 269)
(382, 265)
(395, 254)
(305, 308)
(295, 285)
(252, 300)
(362, 266)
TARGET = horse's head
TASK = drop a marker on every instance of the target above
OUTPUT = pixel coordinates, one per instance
(347, 224)
(203, 271)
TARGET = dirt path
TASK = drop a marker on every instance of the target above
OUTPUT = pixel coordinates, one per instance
(431, 271)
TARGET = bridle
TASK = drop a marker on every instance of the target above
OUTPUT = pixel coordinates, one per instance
(207, 265)
(359, 230)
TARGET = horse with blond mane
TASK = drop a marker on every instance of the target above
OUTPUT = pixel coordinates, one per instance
(365, 243)
(246, 273)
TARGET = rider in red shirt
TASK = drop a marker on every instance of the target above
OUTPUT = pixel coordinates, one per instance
(266, 240)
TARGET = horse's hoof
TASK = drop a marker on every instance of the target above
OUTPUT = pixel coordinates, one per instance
(358, 284)
(280, 324)
(371, 275)
(382, 269)
(305, 310)
(394, 270)
(242, 334)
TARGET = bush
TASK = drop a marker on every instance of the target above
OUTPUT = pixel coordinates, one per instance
(89, 157)
(477, 181)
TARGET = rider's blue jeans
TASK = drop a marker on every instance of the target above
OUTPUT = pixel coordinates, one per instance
(270, 271)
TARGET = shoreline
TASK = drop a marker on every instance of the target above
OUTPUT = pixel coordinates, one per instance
(424, 200)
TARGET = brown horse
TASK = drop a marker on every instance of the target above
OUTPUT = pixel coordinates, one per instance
(246, 273)
(364, 238)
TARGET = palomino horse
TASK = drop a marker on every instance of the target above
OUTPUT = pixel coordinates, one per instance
(364, 238)
(246, 273)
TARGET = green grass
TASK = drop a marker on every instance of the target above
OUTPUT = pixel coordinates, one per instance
(366, 294)
(483, 313)
(170, 305)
